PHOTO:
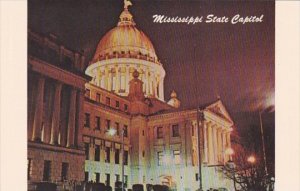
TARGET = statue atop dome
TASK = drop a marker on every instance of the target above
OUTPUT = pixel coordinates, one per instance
(127, 3)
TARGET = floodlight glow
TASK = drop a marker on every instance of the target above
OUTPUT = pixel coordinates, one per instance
(111, 131)
(251, 159)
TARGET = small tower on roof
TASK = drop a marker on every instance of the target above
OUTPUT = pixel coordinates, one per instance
(174, 101)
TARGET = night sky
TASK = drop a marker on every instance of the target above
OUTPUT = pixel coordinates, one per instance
(202, 61)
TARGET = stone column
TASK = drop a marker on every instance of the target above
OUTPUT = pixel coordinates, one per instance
(161, 89)
(205, 143)
(210, 145)
(155, 87)
(127, 79)
(219, 136)
(147, 82)
(223, 146)
(106, 78)
(71, 122)
(80, 116)
(38, 114)
(109, 80)
(56, 113)
(117, 79)
(228, 142)
(215, 144)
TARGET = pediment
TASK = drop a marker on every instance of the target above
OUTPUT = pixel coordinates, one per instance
(220, 110)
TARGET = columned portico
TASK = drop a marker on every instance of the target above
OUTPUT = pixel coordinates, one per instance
(71, 122)
(39, 107)
(56, 114)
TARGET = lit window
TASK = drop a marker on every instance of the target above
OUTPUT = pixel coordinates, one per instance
(175, 130)
(159, 132)
(160, 157)
(176, 154)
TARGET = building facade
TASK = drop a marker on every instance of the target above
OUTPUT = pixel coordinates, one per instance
(70, 114)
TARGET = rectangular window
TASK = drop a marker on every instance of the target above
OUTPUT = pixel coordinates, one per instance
(125, 131)
(29, 166)
(143, 153)
(125, 107)
(64, 171)
(125, 181)
(117, 178)
(87, 93)
(160, 157)
(97, 123)
(117, 128)
(87, 120)
(86, 176)
(87, 151)
(176, 154)
(159, 132)
(196, 176)
(107, 154)
(98, 97)
(107, 101)
(97, 153)
(175, 130)
(47, 170)
(107, 124)
(117, 156)
(107, 181)
(97, 177)
(117, 104)
(125, 157)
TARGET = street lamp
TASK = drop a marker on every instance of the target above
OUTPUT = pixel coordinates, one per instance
(251, 159)
(113, 132)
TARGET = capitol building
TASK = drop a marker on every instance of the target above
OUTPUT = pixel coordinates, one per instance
(72, 107)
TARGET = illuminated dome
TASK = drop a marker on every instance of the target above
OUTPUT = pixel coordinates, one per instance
(125, 38)
(119, 53)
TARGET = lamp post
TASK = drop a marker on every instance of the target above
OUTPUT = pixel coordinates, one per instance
(200, 117)
(112, 132)
(263, 143)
